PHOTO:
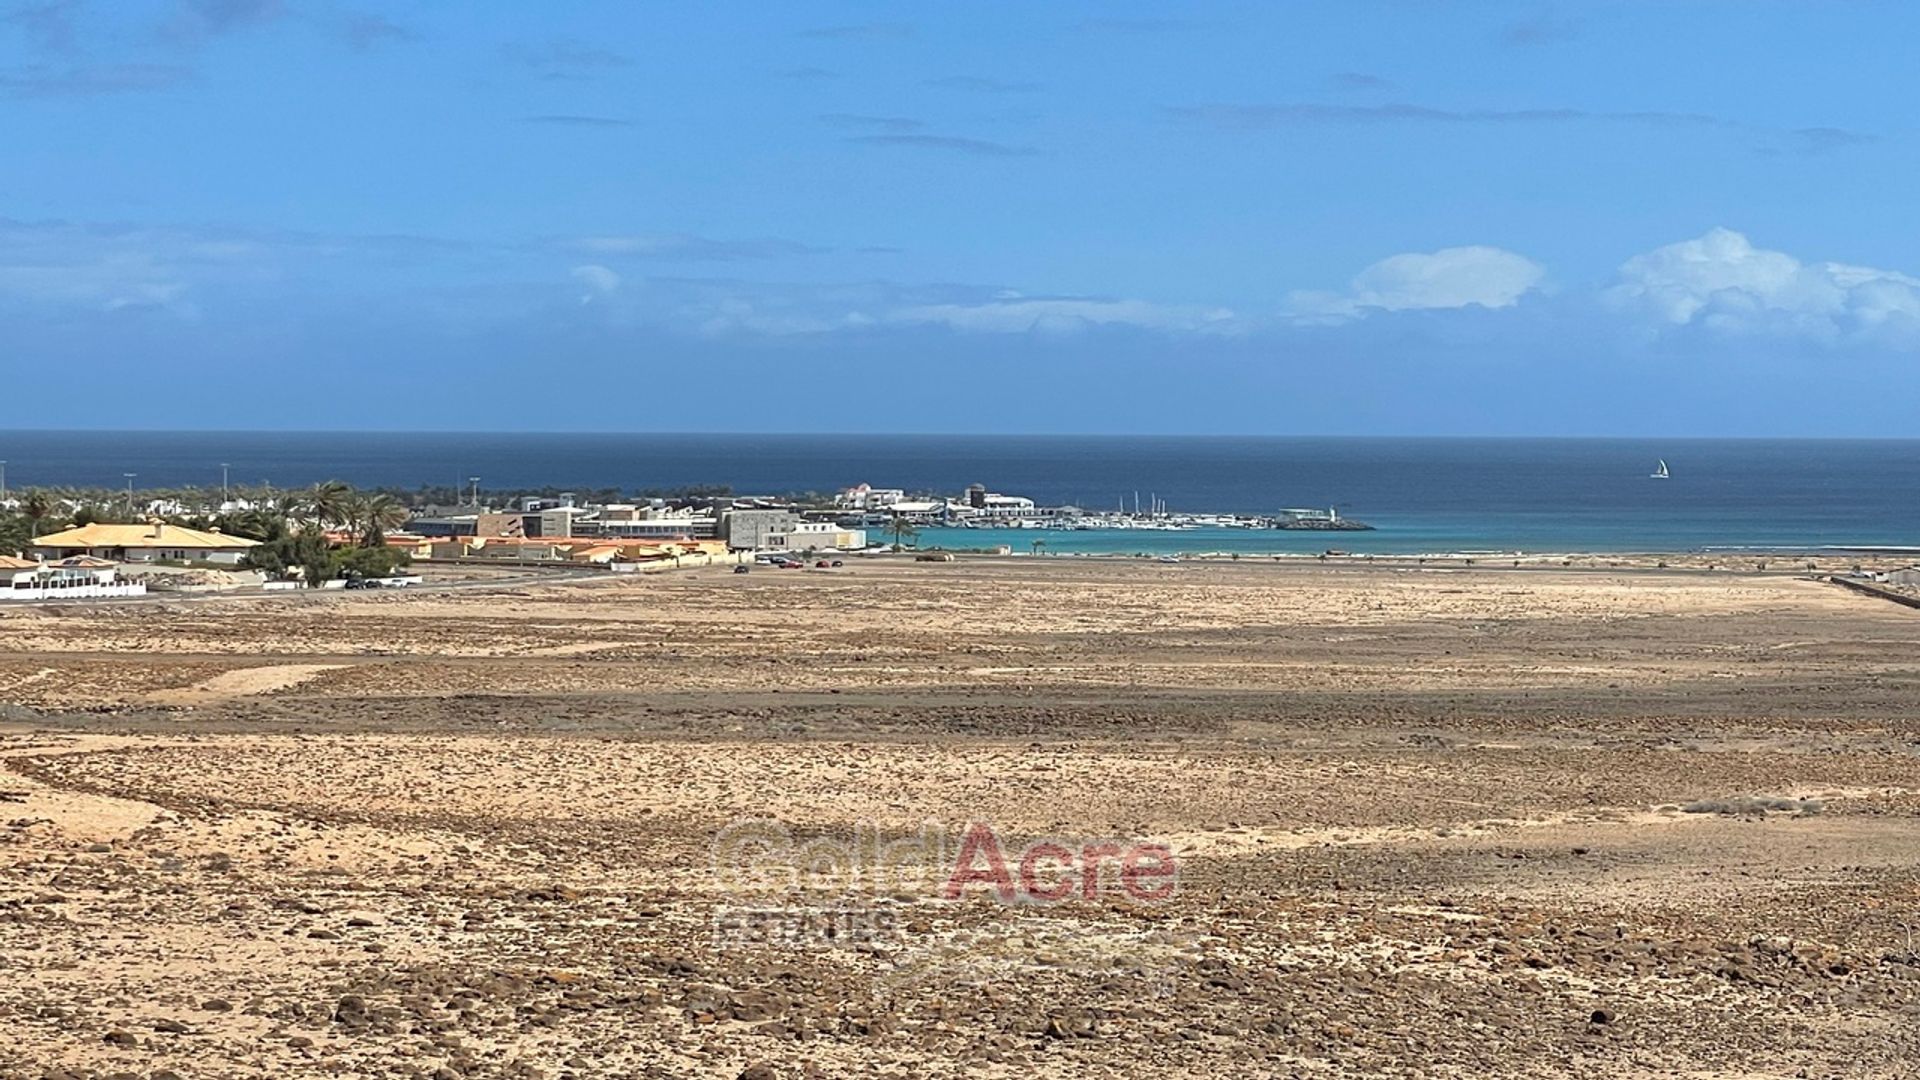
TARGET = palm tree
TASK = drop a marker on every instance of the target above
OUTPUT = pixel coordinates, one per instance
(901, 528)
(38, 506)
(255, 524)
(329, 503)
(353, 514)
(1039, 544)
(379, 514)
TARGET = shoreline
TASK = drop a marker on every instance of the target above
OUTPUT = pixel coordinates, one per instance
(1896, 557)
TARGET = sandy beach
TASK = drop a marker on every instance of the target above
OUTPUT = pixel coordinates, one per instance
(1427, 820)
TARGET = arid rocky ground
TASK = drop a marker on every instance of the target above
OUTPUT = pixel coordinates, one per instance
(1464, 822)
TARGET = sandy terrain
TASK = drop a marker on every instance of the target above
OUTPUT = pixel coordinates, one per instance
(1439, 821)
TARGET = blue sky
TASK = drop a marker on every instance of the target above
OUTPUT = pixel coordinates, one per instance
(1684, 218)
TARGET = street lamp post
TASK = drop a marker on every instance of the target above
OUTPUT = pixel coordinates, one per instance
(223, 486)
(475, 481)
(129, 477)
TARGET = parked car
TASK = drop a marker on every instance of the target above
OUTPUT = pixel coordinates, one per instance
(822, 564)
(743, 568)
(838, 563)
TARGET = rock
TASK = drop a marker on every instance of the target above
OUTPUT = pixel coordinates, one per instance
(1601, 1016)
(216, 1005)
(122, 1038)
(759, 1070)
(171, 1027)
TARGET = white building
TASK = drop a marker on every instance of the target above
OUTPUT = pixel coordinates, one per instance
(924, 511)
(79, 578)
(1004, 506)
(865, 497)
(825, 535)
(143, 543)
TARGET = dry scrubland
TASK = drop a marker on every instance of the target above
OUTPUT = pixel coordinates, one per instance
(1439, 823)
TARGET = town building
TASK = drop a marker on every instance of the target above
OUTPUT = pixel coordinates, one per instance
(654, 522)
(758, 530)
(444, 525)
(865, 497)
(825, 535)
(923, 511)
(552, 521)
(81, 577)
(155, 540)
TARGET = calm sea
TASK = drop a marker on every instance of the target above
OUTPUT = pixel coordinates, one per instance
(1424, 495)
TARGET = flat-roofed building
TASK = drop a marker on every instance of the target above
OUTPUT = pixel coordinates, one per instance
(826, 534)
(866, 497)
(758, 530)
(81, 577)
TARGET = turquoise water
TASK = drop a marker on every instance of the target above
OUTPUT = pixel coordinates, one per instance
(1404, 536)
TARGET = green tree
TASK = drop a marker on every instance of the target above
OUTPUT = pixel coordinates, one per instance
(379, 515)
(326, 504)
(361, 562)
(255, 524)
(303, 549)
(14, 533)
(902, 530)
(38, 506)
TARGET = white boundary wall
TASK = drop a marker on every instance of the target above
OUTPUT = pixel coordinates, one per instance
(74, 592)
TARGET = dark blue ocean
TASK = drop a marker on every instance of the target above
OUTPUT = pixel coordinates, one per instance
(1422, 494)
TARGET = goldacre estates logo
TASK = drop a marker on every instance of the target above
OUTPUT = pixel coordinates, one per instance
(768, 859)
(881, 894)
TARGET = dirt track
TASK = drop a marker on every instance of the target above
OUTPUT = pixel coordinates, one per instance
(1426, 822)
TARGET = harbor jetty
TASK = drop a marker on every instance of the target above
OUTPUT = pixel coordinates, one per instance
(979, 508)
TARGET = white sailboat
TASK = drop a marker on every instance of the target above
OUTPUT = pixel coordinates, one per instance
(1659, 472)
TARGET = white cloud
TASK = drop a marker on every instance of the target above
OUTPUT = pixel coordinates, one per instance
(1457, 277)
(1014, 314)
(599, 280)
(686, 246)
(1721, 281)
(64, 265)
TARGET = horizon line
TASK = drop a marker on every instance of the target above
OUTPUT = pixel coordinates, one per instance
(496, 433)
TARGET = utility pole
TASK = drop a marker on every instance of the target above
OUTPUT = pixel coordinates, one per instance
(223, 485)
(129, 477)
(3, 480)
(475, 481)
